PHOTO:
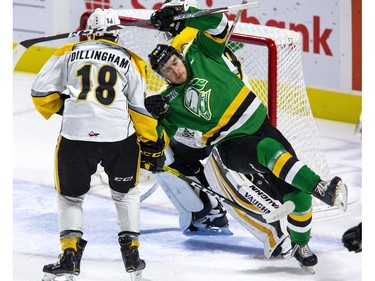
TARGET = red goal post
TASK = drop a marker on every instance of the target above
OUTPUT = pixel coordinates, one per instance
(271, 61)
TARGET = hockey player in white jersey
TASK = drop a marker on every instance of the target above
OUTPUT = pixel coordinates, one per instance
(98, 87)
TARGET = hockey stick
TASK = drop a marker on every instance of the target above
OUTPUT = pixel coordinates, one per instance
(147, 194)
(24, 45)
(217, 10)
(271, 217)
(236, 19)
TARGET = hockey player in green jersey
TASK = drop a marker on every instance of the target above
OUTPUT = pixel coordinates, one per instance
(204, 95)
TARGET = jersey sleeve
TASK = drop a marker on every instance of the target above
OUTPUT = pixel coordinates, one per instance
(212, 34)
(49, 84)
(146, 126)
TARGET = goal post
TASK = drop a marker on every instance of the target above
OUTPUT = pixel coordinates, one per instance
(271, 60)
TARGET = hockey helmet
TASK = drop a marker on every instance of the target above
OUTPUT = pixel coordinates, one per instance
(103, 18)
(160, 55)
(185, 4)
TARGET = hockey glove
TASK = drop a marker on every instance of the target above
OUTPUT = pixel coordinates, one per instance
(63, 98)
(352, 239)
(152, 156)
(163, 20)
(158, 106)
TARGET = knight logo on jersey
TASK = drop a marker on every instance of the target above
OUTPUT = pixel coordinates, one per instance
(93, 134)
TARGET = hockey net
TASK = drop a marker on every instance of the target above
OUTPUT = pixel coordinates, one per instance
(271, 59)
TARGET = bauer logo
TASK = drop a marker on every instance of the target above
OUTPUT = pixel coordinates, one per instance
(93, 134)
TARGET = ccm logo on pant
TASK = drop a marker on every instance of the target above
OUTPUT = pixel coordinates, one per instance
(123, 179)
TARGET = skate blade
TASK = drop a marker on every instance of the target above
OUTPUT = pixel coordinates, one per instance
(209, 231)
(53, 277)
(341, 200)
(136, 275)
(308, 269)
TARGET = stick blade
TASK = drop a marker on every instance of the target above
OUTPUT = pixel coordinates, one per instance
(280, 212)
(245, 6)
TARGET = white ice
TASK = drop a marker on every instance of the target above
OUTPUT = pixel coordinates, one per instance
(169, 254)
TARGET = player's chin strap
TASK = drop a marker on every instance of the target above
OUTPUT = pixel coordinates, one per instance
(270, 217)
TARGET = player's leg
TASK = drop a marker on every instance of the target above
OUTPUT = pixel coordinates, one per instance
(73, 171)
(269, 151)
(120, 162)
(259, 146)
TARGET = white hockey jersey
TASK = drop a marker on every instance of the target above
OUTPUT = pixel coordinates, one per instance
(105, 85)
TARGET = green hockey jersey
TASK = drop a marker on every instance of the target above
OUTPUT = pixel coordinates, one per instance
(213, 100)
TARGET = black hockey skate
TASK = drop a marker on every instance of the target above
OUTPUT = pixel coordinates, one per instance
(306, 258)
(333, 193)
(215, 222)
(130, 255)
(67, 265)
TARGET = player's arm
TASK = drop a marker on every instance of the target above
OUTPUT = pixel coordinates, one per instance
(213, 29)
(47, 88)
(213, 32)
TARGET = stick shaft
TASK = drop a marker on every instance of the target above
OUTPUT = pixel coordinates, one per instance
(18, 51)
(236, 19)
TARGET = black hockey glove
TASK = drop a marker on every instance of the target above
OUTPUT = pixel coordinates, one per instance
(352, 239)
(158, 106)
(152, 156)
(163, 20)
(61, 110)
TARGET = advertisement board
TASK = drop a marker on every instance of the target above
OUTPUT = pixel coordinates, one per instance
(331, 32)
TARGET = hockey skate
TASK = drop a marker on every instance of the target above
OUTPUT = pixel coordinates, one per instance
(130, 255)
(216, 222)
(305, 257)
(283, 249)
(67, 265)
(333, 193)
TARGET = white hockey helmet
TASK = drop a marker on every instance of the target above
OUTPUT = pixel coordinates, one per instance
(103, 18)
(183, 3)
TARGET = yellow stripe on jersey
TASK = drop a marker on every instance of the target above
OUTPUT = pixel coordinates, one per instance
(228, 113)
(216, 39)
(48, 105)
(57, 178)
(185, 36)
(280, 163)
(145, 126)
(64, 49)
(139, 63)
